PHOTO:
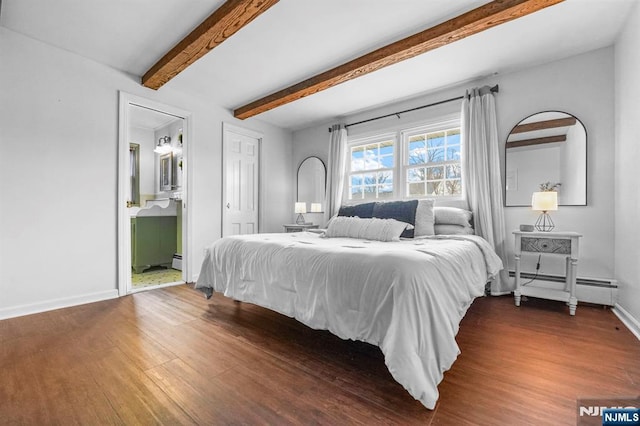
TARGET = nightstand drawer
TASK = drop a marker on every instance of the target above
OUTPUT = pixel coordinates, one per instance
(294, 227)
(546, 245)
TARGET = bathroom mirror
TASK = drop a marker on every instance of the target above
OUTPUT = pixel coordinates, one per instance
(549, 146)
(312, 178)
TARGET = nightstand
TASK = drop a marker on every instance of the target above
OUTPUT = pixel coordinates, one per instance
(555, 243)
(294, 227)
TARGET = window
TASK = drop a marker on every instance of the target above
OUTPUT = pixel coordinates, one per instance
(371, 169)
(409, 163)
(432, 166)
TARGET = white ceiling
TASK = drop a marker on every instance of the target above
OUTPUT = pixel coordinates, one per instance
(296, 39)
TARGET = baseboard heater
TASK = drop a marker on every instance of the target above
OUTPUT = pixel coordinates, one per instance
(591, 290)
(177, 262)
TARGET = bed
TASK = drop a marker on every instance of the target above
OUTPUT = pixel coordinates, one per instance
(405, 296)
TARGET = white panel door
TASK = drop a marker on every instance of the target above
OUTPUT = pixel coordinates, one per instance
(241, 163)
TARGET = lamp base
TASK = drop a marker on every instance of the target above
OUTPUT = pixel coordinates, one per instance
(544, 223)
(300, 219)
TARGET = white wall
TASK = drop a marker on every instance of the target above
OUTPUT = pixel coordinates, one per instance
(581, 85)
(58, 174)
(627, 157)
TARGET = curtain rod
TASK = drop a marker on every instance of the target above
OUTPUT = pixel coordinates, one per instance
(494, 89)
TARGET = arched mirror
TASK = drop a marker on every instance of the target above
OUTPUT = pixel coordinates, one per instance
(312, 178)
(549, 146)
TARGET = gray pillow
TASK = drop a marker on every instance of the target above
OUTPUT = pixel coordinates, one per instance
(365, 229)
(452, 216)
(425, 218)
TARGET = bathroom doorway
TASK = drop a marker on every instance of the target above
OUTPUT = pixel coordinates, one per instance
(153, 191)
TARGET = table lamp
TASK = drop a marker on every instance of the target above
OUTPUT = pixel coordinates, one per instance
(316, 208)
(544, 201)
(300, 208)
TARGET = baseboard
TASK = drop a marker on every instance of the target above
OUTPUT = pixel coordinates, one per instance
(591, 290)
(49, 305)
(629, 321)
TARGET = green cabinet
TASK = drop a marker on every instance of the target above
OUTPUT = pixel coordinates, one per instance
(153, 241)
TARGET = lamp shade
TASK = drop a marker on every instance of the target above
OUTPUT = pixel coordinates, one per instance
(544, 201)
(300, 208)
(316, 207)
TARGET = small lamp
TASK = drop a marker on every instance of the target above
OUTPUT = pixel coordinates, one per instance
(316, 208)
(300, 208)
(544, 201)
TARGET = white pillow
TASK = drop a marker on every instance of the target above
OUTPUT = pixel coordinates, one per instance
(365, 229)
(425, 218)
(452, 216)
(453, 230)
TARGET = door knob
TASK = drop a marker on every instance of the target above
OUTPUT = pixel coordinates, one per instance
(228, 205)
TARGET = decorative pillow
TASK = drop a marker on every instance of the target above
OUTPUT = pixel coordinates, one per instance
(425, 218)
(453, 230)
(452, 216)
(366, 229)
(403, 211)
(364, 210)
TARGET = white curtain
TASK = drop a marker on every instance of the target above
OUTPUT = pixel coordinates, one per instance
(335, 172)
(482, 181)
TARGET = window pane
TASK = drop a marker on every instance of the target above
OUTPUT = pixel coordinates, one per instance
(454, 171)
(357, 159)
(435, 155)
(370, 179)
(435, 173)
(356, 193)
(453, 187)
(356, 180)
(385, 191)
(417, 152)
(435, 140)
(434, 188)
(453, 152)
(453, 137)
(386, 148)
(416, 189)
(385, 177)
(371, 157)
(387, 161)
(416, 175)
(369, 193)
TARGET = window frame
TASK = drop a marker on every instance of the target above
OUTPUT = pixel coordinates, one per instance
(400, 135)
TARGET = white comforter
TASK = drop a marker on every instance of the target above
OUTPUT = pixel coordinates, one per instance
(406, 297)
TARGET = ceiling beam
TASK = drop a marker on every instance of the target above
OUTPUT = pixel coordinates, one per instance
(537, 141)
(482, 18)
(547, 124)
(222, 24)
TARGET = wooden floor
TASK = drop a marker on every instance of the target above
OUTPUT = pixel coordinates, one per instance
(169, 356)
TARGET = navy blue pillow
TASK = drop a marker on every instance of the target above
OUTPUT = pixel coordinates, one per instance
(404, 211)
(364, 211)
